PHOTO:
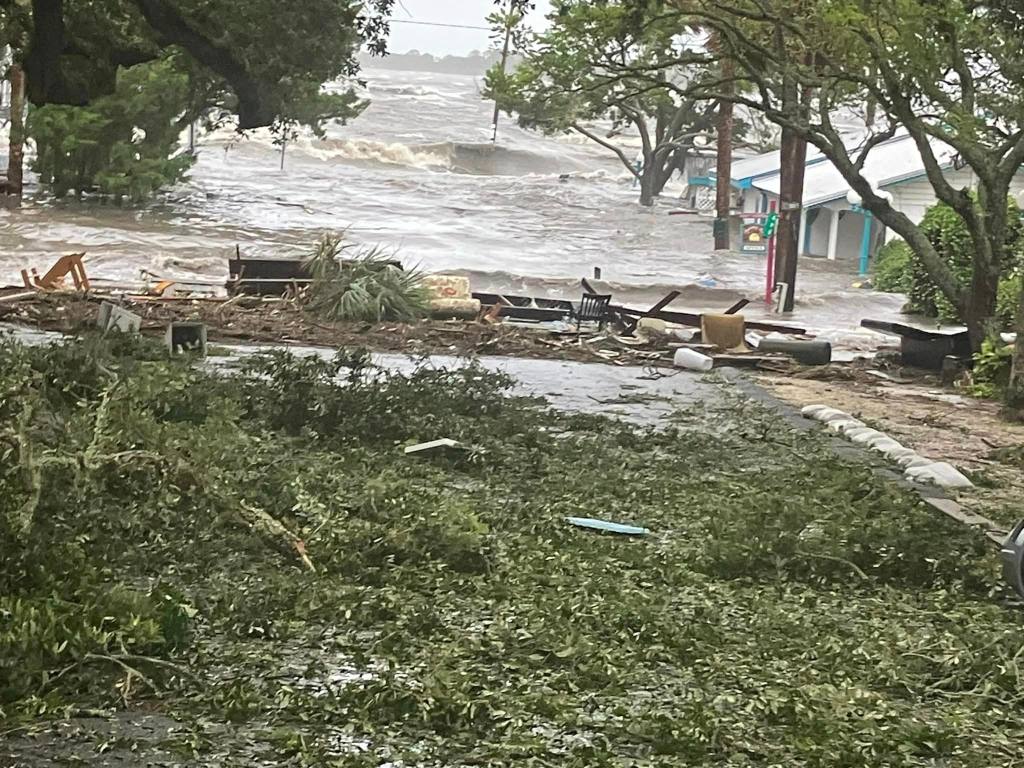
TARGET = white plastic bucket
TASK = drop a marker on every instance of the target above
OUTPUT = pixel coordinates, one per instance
(694, 361)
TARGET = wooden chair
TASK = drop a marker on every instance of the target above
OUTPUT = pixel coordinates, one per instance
(593, 308)
(64, 266)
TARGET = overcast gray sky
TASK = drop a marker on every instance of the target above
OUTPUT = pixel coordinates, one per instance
(442, 41)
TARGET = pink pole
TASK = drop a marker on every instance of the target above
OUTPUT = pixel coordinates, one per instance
(769, 276)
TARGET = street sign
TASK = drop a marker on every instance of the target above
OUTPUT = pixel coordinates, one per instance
(754, 240)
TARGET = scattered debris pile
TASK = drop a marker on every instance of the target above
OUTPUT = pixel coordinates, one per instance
(272, 300)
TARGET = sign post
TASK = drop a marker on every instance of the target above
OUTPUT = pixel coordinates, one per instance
(769, 272)
(759, 237)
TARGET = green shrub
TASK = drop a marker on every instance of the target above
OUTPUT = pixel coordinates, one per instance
(991, 373)
(892, 267)
(1008, 298)
(948, 233)
(121, 145)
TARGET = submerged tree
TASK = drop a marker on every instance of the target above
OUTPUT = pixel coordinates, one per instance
(511, 35)
(602, 62)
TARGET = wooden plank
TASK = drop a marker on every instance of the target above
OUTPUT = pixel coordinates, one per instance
(693, 320)
(743, 361)
(173, 299)
(682, 318)
(532, 313)
(18, 296)
(736, 307)
(911, 332)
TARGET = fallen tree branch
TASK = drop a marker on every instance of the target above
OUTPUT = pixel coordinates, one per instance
(122, 660)
(833, 558)
(266, 525)
(31, 472)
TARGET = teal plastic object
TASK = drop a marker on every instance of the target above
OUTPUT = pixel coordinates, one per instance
(604, 525)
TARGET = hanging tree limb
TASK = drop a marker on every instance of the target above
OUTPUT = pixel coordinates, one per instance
(173, 29)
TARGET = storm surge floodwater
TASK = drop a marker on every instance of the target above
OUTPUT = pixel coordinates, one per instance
(417, 172)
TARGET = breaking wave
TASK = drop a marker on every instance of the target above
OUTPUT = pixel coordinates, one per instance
(416, 91)
(475, 159)
(370, 151)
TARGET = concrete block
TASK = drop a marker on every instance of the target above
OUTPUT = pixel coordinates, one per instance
(906, 459)
(835, 416)
(443, 309)
(883, 444)
(447, 287)
(826, 415)
(186, 338)
(918, 462)
(898, 454)
(843, 426)
(114, 318)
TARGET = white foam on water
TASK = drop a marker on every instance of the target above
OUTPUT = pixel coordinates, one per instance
(395, 153)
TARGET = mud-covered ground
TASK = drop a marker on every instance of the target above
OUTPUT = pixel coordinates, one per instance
(939, 423)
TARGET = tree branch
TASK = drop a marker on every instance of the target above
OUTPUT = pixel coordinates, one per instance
(173, 29)
(607, 145)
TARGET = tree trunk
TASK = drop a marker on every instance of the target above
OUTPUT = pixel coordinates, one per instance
(1015, 389)
(791, 192)
(988, 236)
(668, 164)
(723, 176)
(980, 307)
(648, 179)
(15, 162)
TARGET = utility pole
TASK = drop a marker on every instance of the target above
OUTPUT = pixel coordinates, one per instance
(15, 159)
(509, 21)
(793, 161)
(723, 163)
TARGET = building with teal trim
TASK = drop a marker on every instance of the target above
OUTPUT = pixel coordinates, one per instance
(832, 225)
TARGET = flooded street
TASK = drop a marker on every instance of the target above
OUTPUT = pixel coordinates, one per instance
(417, 173)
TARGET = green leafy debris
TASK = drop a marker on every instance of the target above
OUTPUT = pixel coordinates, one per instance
(788, 607)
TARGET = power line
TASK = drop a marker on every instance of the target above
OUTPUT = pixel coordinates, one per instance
(438, 24)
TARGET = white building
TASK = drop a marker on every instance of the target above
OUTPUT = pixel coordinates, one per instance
(829, 225)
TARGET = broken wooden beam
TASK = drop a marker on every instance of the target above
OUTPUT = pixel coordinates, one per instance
(736, 307)
(693, 320)
(630, 324)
